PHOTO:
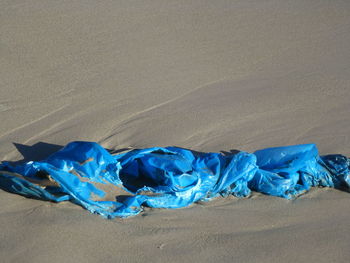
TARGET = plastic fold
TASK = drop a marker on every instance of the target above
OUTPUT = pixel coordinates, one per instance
(121, 185)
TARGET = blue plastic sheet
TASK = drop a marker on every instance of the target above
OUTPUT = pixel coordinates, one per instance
(120, 185)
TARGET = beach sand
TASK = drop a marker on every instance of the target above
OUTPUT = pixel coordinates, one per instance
(206, 75)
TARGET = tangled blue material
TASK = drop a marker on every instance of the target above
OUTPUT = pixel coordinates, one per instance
(170, 177)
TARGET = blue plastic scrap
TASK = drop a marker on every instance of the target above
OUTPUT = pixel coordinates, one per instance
(121, 185)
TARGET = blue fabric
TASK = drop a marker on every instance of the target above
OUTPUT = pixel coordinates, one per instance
(170, 177)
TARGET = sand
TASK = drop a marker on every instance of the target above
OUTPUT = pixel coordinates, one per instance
(205, 75)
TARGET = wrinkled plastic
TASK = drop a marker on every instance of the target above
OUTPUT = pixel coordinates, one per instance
(170, 177)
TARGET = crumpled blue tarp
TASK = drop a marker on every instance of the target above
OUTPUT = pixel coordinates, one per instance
(170, 177)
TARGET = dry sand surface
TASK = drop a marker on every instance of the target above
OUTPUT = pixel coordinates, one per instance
(206, 75)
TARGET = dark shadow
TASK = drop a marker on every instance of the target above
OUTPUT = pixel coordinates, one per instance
(230, 152)
(116, 151)
(41, 150)
(36, 152)
(197, 153)
(122, 198)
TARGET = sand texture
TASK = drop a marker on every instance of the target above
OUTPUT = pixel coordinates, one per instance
(206, 75)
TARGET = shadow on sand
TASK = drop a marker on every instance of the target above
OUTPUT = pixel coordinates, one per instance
(41, 150)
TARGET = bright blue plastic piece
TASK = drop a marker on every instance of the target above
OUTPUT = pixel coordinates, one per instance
(170, 177)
